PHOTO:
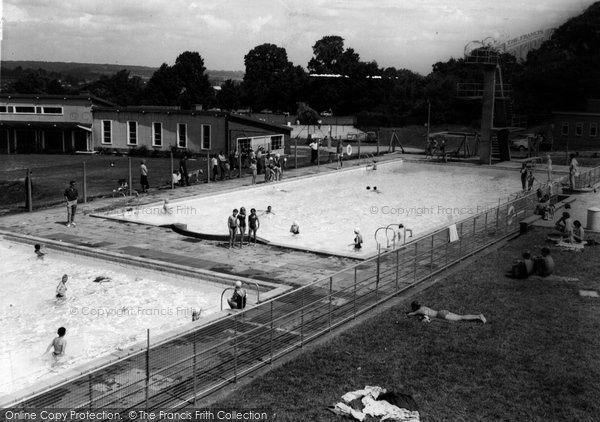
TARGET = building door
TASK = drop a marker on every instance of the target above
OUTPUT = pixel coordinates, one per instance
(25, 141)
(53, 141)
(80, 140)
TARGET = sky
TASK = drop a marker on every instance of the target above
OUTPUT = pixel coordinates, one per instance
(409, 34)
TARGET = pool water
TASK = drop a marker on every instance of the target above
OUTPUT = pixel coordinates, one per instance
(329, 207)
(100, 318)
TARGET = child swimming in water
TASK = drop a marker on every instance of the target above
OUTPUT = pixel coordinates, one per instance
(358, 240)
(38, 251)
(61, 289)
(295, 228)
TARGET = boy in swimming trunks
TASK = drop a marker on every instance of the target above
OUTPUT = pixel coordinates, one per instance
(61, 289)
(59, 344)
(424, 311)
(232, 224)
(238, 299)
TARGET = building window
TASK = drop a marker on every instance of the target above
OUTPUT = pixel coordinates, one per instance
(52, 110)
(244, 144)
(593, 130)
(157, 134)
(25, 109)
(276, 142)
(106, 132)
(565, 128)
(205, 136)
(132, 133)
(3, 109)
(181, 135)
(578, 129)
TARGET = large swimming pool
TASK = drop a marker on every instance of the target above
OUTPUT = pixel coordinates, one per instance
(100, 317)
(329, 207)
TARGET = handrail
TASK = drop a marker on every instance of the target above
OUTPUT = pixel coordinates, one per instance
(386, 236)
(228, 288)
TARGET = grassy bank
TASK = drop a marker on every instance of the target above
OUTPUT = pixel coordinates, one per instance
(536, 358)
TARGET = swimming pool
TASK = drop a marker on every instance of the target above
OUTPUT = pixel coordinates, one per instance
(100, 318)
(329, 207)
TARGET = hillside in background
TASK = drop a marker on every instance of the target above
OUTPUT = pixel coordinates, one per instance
(92, 71)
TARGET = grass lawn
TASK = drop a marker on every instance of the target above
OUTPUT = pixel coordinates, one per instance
(537, 358)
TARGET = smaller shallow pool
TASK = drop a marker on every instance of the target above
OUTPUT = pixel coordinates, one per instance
(100, 317)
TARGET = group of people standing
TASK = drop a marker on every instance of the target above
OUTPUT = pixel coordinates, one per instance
(436, 148)
(237, 223)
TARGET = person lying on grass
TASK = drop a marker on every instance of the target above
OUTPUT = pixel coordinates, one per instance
(426, 313)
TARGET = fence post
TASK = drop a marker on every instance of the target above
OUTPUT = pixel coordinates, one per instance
(84, 184)
(378, 274)
(194, 368)
(415, 261)
(330, 299)
(208, 167)
(147, 358)
(295, 153)
(90, 391)
(354, 299)
(172, 169)
(397, 265)
(432, 254)
(302, 319)
(318, 156)
(29, 193)
(271, 340)
(235, 340)
(130, 179)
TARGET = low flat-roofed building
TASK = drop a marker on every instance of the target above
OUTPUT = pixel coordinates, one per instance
(165, 129)
(31, 123)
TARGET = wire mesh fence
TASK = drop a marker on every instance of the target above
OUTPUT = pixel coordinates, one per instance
(178, 372)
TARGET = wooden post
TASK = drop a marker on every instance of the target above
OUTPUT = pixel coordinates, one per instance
(147, 362)
(207, 167)
(172, 169)
(130, 179)
(29, 193)
(84, 184)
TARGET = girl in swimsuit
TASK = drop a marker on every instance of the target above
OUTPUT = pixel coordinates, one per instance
(424, 311)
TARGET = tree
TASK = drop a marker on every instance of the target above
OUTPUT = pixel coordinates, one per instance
(270, 80)
(183, 84)
(229, 96)
(119, 88)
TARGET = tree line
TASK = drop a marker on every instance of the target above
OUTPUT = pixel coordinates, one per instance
(561, 75)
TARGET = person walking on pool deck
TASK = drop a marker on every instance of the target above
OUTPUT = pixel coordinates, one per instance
(573, 170)
(238, 299)
(183, 170)
(253, 225)
(232, 224)
(59, 344)
(61, 289)
(144, 176)
(71, 195)
(424, 311)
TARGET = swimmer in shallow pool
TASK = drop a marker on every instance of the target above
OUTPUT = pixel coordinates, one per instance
(38, 251)
(295, 228)
(59, 344)
(61, 289)
(427, 313)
